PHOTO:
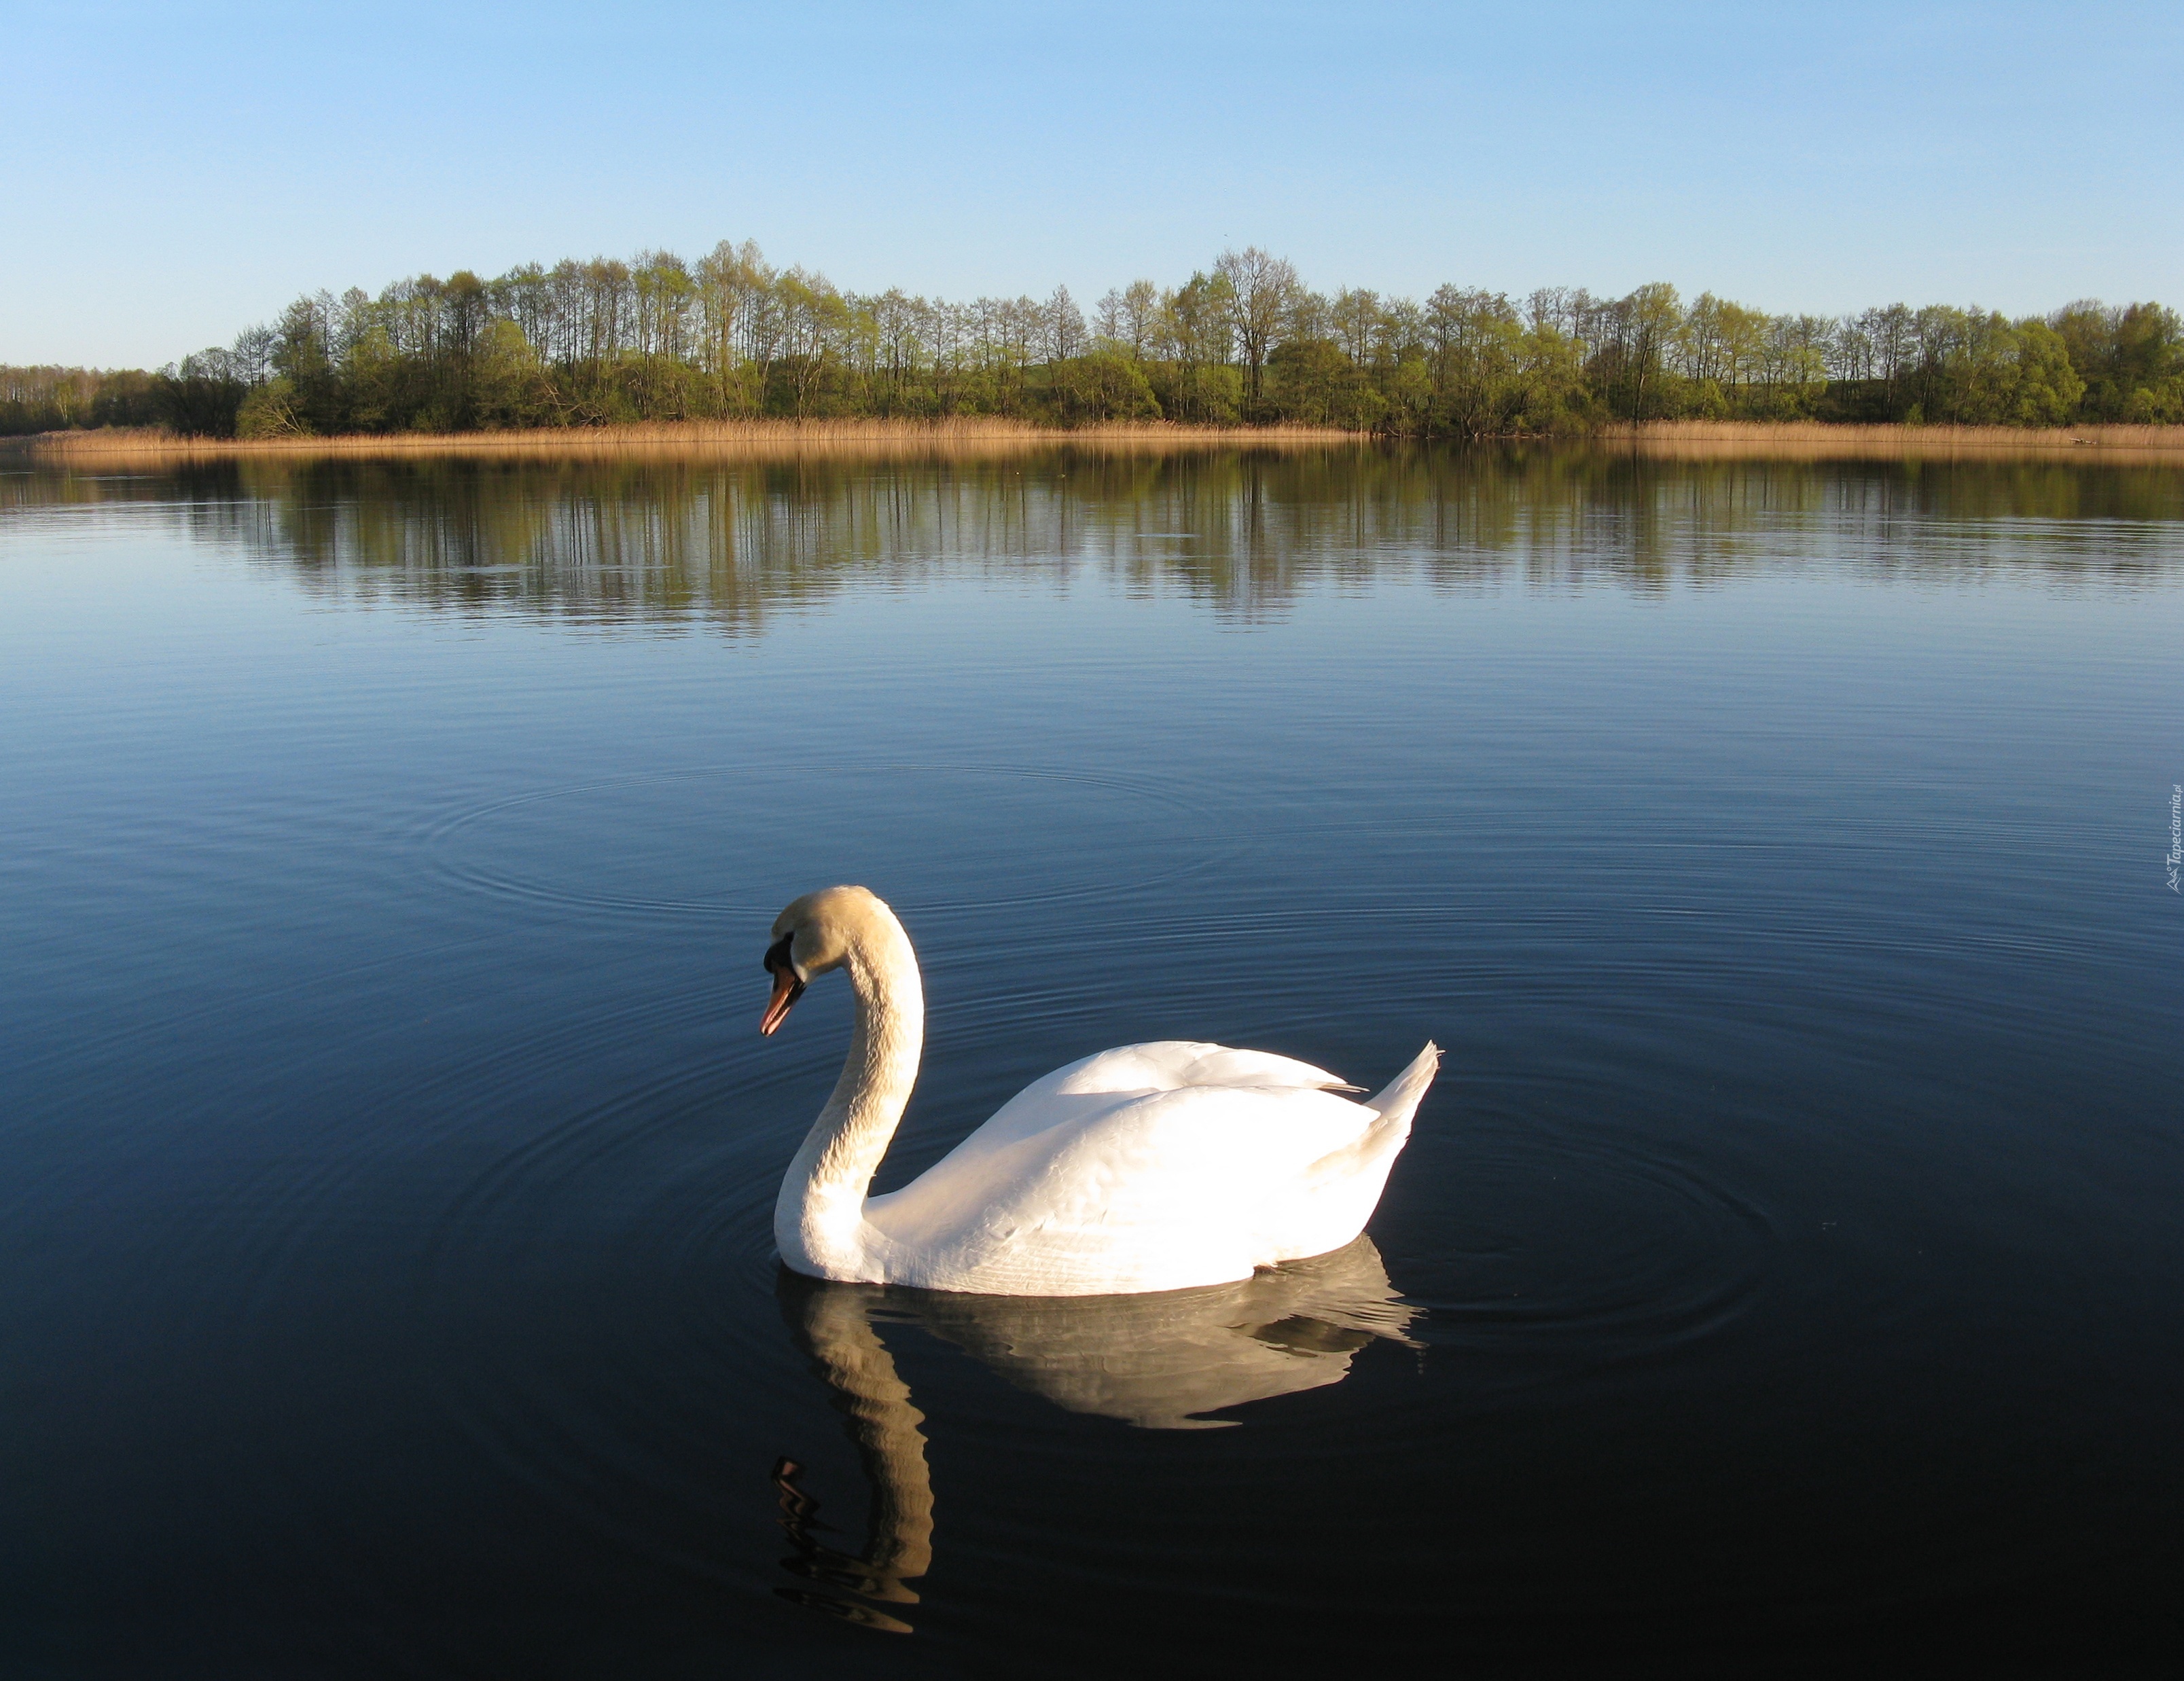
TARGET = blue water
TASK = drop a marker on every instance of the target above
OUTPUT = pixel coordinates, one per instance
(1784, 1273)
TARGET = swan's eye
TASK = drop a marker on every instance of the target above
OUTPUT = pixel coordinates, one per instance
(777, 956)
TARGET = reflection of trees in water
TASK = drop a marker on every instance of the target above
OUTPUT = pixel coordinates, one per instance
(731, 544)
(1162, 1362)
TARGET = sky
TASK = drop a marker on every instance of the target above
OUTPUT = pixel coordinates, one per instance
(174, 174)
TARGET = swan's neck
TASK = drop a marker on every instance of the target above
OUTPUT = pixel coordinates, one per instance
(819, 1220)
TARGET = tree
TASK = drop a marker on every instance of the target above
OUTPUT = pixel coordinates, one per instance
(1475, 338)
(1062, 327)
(814, 318)
(1194, 334)
(2049, 389)
(1648, 320)
(1262, 291)
(1101, 386)
(731, 285)
(1314, 380)
(1355, 322)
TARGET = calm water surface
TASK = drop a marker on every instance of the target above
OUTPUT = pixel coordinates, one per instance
(1784, 1275)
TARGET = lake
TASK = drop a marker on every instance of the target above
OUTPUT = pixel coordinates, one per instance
(1783, 1276)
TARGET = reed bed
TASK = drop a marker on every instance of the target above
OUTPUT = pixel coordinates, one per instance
(979, 436)
(974, 437)
(1816, 440)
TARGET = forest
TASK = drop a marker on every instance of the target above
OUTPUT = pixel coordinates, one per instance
(1244, 343)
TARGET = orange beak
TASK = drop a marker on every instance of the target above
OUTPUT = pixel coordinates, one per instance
(787, 988)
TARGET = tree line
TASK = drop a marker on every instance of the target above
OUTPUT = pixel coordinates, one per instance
(1245, 341)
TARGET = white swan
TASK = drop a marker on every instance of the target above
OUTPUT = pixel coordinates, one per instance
(1151, 1167)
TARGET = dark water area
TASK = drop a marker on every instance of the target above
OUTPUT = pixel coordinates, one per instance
(1784, 1275)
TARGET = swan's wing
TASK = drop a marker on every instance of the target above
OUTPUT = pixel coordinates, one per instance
(1091, 1084)
(1152, 1167)
(1145, 1167)
(1142, 1189)
(1193, 1151)
(1170, 1065)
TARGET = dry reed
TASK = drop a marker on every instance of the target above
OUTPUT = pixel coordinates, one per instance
(972, 436)
(1818, 440)
(740, 439)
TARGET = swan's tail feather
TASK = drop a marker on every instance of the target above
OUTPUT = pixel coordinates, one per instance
(1399, 1099)
(1383, 1138)
(1343, 1187)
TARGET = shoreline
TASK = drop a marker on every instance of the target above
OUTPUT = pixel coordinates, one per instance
(1842, 440)
(975, 435)
(738, 439)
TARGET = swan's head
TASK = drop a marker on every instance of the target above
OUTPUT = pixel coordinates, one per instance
(816, 934)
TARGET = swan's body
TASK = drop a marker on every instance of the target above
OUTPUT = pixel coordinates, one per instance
(1152, 1167)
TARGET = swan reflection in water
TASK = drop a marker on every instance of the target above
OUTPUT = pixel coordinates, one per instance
(1160, 1362)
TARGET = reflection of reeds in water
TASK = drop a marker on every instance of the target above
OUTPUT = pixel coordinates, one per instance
(1160, 1362)
(1821, 441)
(697, 440)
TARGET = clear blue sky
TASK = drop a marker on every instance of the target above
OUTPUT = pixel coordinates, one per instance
(173, 173)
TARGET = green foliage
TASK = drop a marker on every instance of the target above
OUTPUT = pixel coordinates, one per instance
(2132, 359)
(2159, 405)
(2044, 389)
(45, 399)
(1314, 381)
(271, 411)
(1101, 386)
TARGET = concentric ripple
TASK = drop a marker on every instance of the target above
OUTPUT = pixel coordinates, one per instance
(1598, 1243)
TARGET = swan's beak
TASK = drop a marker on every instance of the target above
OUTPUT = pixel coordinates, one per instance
(787, 987)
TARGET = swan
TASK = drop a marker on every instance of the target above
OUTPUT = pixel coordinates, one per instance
(1160, 1166)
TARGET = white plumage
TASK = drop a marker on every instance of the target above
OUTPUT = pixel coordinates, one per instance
(1150, 1167)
